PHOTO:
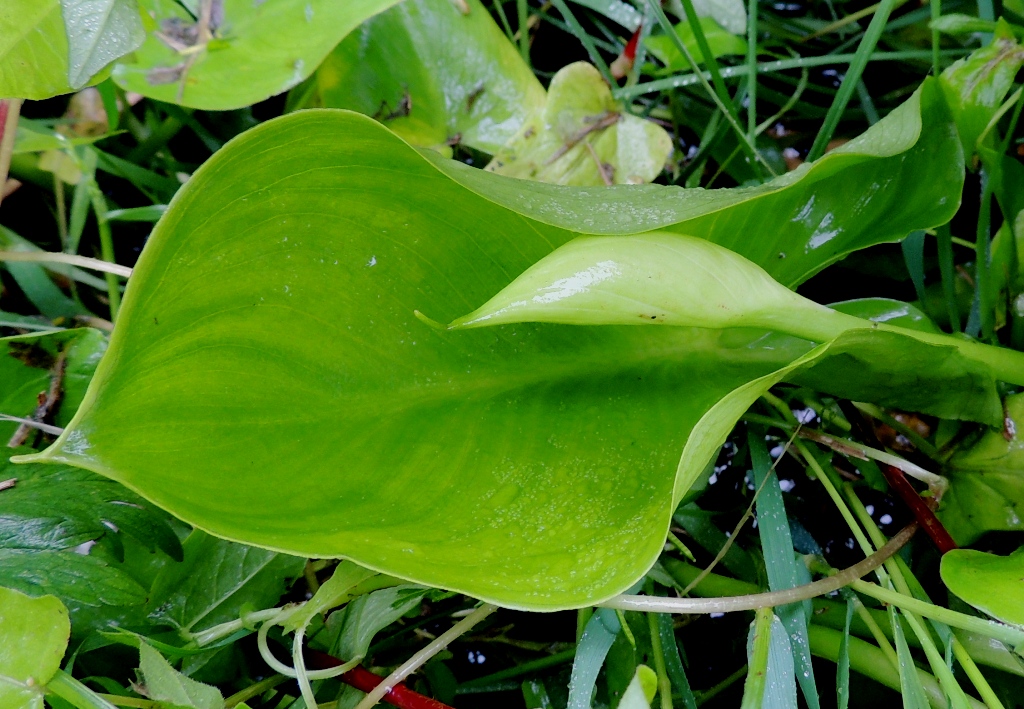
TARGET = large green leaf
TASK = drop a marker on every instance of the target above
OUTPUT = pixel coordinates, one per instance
(991, 583)
(52, 47)
(33, 637)
(471, 87)
(33, 50)
(985, 482)
(300, 405)
(255, 49)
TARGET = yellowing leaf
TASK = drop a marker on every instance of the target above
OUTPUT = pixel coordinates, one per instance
(583, 137)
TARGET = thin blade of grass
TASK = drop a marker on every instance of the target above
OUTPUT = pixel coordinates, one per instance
(913, 257)
(947, 269)
(843, 665)
(910, 682)
(752, 70)
(780, 559)
(853, 76)
(673, 661)
(600, 633)
(585, 39)
(758, 648)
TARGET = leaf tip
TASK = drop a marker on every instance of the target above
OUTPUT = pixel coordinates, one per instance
(429, 322)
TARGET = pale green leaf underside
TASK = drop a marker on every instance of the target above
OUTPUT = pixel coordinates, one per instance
(99, 32)
(300, 405)
(261, 49)
(472, 86)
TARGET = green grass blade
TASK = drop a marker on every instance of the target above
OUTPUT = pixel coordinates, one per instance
(758, 647)
(600, 633)
(585, 39)
(853, 75)
(910, 681)
(843, 665)
(780, 559)
(673, 662)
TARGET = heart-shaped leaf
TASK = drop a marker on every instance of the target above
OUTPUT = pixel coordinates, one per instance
(300, 405)
(433, 75)
(991, 583)
(233, 53)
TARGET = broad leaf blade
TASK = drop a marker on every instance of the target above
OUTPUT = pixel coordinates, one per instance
(33, 50)
(301, 405)
(993, 584)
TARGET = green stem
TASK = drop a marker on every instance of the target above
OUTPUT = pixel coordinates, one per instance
(75, 693)
(821, 324)
(682, 80)
(1014, 637)
(757, 675)
(868, 660)
(99, 206)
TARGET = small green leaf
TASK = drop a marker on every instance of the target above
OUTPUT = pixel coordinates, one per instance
(993, 584)
(162, 683)
(99, 32)
(433, 74)
(730, 14)
(217, 580)
(28, 367)
(986, 482)
(641, 689)
(34, 634)
(976, 86)
(254, 50)
(721, 43)
(334, 592)
(583, 137)
(355, 625)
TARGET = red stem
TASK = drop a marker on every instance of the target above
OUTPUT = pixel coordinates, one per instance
(362, 679)
(922, 512)
(630, 50)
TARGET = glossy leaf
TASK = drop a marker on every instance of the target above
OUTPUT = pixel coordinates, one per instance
(55, 508)
(162, 683)
(887, 310)
(721, 43)
(34, 634)
(583, 137)
(99, 32)
(976, 86)
(433, 74)
(217, 580)
(641, 689)
(300, 404)
(615, 10)
(81, 581)
(986, 482)
(256, 50)
(991, 583)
